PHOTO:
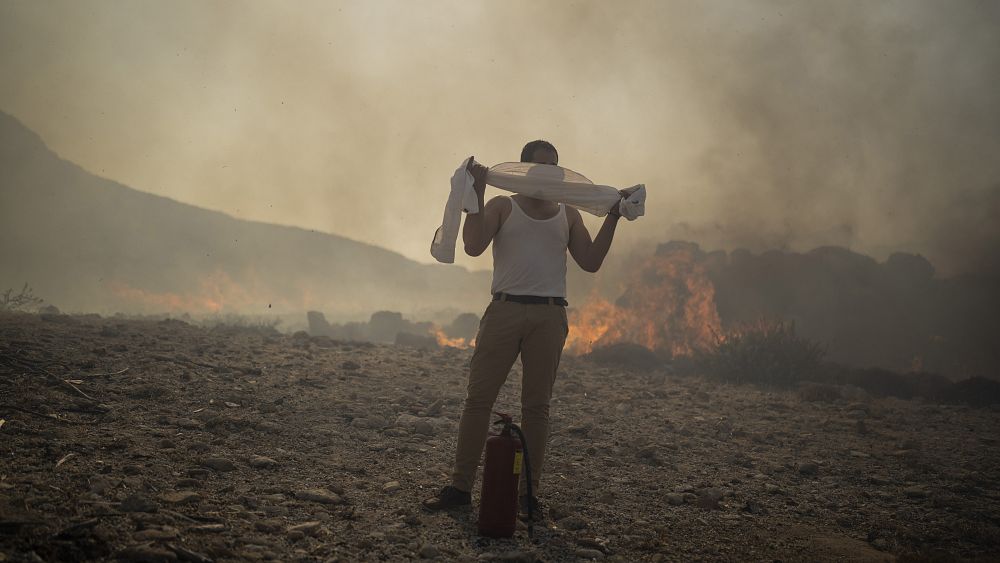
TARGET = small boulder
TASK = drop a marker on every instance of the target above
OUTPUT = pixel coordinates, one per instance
(218, 464)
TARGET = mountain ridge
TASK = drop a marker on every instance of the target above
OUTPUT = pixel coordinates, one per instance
(90, 243)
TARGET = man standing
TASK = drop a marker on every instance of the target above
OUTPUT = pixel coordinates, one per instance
(527, 315)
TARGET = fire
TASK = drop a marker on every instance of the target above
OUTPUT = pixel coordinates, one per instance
(457, 342)
(668, 306)
(214, 293)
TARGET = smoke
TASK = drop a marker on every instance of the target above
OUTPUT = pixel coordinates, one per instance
(754, 124)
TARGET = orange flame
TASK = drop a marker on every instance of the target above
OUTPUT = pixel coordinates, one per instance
(668, 306)
(457, 342)
(215, 293)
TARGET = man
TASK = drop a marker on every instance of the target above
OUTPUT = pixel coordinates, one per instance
(527, 315)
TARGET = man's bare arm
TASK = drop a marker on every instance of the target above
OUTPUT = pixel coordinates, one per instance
(590, 254)
(480, 228)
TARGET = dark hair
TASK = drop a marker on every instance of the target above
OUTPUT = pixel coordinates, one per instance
(528, 152)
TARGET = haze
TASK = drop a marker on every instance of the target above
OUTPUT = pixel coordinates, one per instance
(874, 126)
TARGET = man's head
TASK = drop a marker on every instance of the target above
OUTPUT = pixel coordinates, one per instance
(539, 152)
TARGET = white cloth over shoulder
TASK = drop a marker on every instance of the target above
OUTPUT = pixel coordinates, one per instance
(461, 198)
(541, 181)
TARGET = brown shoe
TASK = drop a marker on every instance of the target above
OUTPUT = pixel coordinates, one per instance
(449, 497)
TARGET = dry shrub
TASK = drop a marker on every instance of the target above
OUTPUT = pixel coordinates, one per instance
(765, 352)
(24, 301)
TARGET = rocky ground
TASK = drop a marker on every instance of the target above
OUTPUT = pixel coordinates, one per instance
(158, 440)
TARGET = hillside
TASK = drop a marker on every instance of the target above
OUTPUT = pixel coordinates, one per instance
(86, 243)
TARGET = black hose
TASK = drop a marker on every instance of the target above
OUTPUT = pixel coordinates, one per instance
(527, 477)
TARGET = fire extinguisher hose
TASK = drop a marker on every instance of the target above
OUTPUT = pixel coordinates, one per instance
(527, 477)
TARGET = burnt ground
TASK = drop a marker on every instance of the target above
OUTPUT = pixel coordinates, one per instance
(235, 444)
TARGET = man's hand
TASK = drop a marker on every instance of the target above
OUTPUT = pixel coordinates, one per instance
(478, 172)
(616, 210)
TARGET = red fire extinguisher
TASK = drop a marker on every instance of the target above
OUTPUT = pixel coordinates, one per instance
(501, 473)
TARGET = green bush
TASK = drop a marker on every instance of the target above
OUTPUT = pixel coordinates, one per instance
(766, 352)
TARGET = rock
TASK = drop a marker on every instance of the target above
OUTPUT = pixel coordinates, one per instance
(319, 495)
(269, 525)
(391, 487)
(188, 483)
(675, 499)
(607, 497)
(156, 534)
(588, 553)
(218, 464)
(131, 469)
(709, 498)
(209, 528)
(305, 528)
(572, 523)
(146, 554)
(808, 468)
(180, 497)
(262, 462)
(167, 444)
(350, 366)
(138, 503)
(435, 408)
(428, 551)
(423, 427)
(198, 473)
(773, 489)
(185, 554)
(915, 492)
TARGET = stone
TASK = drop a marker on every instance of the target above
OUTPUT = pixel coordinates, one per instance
(305, 528)
(808, 468)
(180, 497)
(675, 499)
(262, 462)
(709, 498)
(218, 464)
(188, 483)
(138, 503)
(423, 427)
(209, 528)
(131, 469)
(145, 554)
(428, 551)
(198, 473)
(572, 523)
(588, 553)
(391, 487)
(319, 495)
(915, 492)
(156, 534)
(269, 525)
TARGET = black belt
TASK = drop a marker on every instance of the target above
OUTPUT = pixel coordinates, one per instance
(530, 299)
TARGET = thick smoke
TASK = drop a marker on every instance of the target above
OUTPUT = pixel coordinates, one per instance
(754, 124)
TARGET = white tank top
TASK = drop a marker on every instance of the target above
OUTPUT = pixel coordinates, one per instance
(529, 255)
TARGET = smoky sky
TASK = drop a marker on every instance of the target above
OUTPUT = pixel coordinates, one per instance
(871, 125)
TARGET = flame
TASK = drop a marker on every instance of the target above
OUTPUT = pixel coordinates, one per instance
(457, 342)
(668, 306)
(217, 292)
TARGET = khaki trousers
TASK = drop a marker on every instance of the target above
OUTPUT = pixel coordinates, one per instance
(537, 333)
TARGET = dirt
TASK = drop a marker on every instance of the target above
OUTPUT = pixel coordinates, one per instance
(160, 440)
